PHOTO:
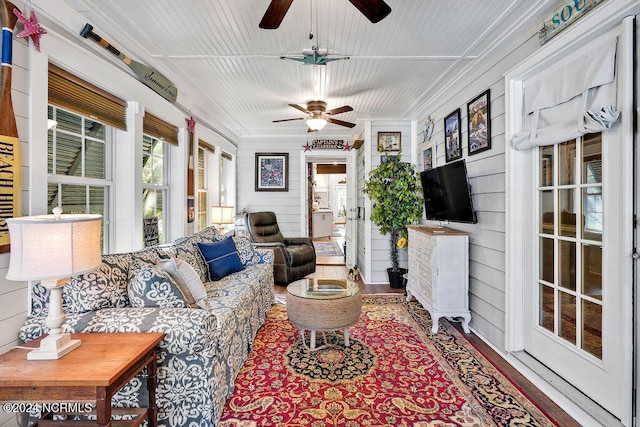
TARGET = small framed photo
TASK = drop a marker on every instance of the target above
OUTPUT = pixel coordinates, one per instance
(272, 171)
(453, 149)
(191, 209)
(479, 123)
(428, 156)
(389, 141)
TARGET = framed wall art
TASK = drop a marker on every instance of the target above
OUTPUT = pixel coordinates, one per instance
(479, 123)
(272, 171)
(389, 141)
(452, 147)
(428, 156)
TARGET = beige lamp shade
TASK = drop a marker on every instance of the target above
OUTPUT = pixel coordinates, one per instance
(51, 248)
(43, 247)
(222, 214)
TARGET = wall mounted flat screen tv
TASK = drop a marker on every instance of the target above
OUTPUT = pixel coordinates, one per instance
(447, 196)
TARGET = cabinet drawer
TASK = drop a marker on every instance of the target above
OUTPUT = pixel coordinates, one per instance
(420, 238)
(425, 274)
(420, 256)
(424, 241)
(424, 298)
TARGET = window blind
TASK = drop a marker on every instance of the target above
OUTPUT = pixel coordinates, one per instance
(575, 98)
(73, 93)
(158, 128)
(206, 145)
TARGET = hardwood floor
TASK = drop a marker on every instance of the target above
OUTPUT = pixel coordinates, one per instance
(554, 411)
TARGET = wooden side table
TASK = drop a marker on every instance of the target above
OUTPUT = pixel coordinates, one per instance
(94, 372)
(323, 305)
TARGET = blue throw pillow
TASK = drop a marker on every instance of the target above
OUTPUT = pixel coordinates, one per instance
(221, 257)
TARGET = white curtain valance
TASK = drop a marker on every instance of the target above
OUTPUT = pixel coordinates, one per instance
(576, 98)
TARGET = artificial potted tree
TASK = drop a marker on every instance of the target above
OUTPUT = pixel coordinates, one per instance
(395, 191)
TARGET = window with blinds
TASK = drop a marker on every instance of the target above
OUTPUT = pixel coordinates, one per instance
(158, 128)
(155, 188)
(205, 150)
(74, 94)
(78, 180)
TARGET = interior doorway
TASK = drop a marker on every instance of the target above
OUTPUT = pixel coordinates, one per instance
(325, 205)
(327, 210)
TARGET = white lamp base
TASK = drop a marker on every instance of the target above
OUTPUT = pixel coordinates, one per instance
(54, 347)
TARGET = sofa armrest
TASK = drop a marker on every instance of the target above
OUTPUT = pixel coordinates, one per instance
(278, 249)
(298, 241)
(187, 330)
(263, 256)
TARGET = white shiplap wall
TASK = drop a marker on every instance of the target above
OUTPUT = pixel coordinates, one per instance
(285, 204)
(487, 179)
(379, 245)
(13, 295)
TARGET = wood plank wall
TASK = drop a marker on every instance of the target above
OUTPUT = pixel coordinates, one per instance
(487, 179)
(380, 245)
(14, 295)
(285, 204)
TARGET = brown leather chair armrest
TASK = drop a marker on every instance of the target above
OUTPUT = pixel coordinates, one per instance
(298, 241)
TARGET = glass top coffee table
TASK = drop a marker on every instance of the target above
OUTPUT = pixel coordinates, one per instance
(322, 304)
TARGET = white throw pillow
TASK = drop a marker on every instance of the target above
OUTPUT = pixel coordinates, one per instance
(188, 281)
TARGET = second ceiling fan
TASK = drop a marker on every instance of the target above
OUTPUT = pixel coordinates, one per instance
(374, 10)
(318, 116)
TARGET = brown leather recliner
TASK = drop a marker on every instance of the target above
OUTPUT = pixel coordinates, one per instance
(295, 257)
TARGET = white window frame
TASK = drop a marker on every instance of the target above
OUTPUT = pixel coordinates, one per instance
(164, 188)
(204, 190)
(106, 182)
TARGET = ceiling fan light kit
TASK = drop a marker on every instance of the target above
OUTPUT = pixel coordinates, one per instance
(316, 123)
(318, 116)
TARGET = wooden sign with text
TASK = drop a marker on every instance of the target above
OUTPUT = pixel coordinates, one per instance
(327, 144)
(565, 14)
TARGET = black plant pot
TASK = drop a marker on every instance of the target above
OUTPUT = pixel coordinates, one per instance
(396, 278)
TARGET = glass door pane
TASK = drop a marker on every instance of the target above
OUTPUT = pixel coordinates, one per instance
(570, 239)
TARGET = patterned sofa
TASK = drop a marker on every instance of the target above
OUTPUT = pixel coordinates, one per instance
(203, 350)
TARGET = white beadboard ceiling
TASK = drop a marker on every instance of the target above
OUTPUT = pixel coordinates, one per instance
(229, 71)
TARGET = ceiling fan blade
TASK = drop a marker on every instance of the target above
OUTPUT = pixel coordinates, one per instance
(340, 122)
(339, 110)
(275, 14)
(297, 107)
(289, 120)
(374, 10)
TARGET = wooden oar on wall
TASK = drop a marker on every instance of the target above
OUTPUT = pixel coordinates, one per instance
(10, 163)
(147, 75)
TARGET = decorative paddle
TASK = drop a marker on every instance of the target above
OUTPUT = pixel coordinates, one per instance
(147, 75)
(10, 163)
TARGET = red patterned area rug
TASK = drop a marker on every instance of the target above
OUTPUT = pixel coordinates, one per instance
(395, 373)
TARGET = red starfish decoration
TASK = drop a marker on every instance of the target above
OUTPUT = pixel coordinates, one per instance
(346, 146)
(32, 28)
(191, 124)
(306, 147)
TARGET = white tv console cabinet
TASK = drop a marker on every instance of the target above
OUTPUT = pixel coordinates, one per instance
(439, 272)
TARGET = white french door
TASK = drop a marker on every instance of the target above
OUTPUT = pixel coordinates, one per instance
(572, 320)
(571, 236)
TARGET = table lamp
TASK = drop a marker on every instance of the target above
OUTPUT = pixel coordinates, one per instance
(51, 248)
(222, 215)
